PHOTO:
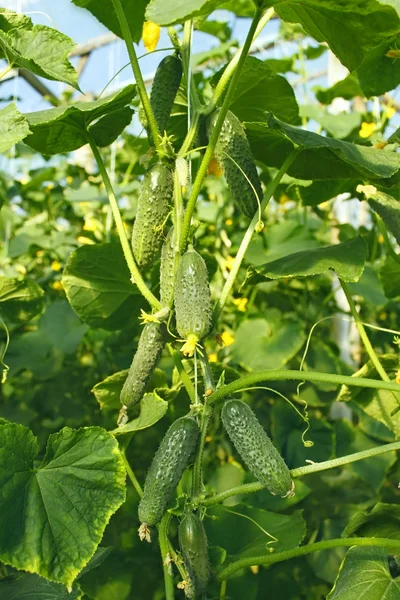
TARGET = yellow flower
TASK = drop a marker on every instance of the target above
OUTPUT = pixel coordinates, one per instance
(91, 224)
(49, 187)
(381, 239)
(211, 227)
(69, 179)
(229, 262)
(150, 35)
(241, 303)
(398, 377)
(254, 569)
(56, 265)
(84, 240)
(57, 285)
(213, 357)
(367, 129)
(214, 168)
(39, 253)
(228, 222)
(21, 269)
(390, 112)
(227, 338)
(283, 198)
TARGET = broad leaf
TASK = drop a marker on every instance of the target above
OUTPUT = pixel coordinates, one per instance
(387, 208)
(347, 88)
(178, 11)
(20, 299)
(13, 127)
(346, 259)
(382, 521)
(390, 277)
(365, 569)
(104, 11)
(339, 126)
(33, 587)
(52, 517)
(97, 282)
(107, 391)
(321, 157)
(267, 343)
(37, 48)
(64, 129)
(152, 409)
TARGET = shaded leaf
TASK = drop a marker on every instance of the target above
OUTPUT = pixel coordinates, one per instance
(13, 127)
(338, 125)
(33, 587)
(388, 209)
(53, 517)
(390, 277)
(107, 391)
(20, 299)
(152, 409)
(179, 11)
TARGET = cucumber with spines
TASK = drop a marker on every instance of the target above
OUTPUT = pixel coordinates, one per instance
(165, 88)
(192, 298)
(255, 448)
(171, 459)
(234, 154)
(155, 200)
(194, 549)
(168, 267)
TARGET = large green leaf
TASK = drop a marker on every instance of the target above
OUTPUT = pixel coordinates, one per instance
(387, 208)
(390, 277)
(321, 157)
(351, 27)
(37, 48)
(346, 259)
(20, 299)
(33, 587)
(97, 282)
(382, 521)
(259, 90)
(267, 343)
(178, 11)
(104, 11)
(64, 129)
(339, 125)
(53, 516)
(13, 127)
(347, 88)
(152, 409)
(365, 569)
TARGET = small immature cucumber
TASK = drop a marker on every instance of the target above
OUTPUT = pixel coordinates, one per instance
(150, 347)
(171, 459)
(169, 263)
(165, 87)
(193, 307)
(255, 448)
(154, 202)
(193, 545)
(233, 144)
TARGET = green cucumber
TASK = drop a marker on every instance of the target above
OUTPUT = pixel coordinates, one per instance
(233, 144)
(168, 267)
(193, 545)
(193, 306)
(171, 459)
(154, 202)
(165, 87)
(150, 346)
(255, 448)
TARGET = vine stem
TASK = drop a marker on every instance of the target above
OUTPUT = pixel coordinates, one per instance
(364, 336)
(131, 474)
(228, 72)
(182, 373)
(283, 375)
(126, 32)
(201, 173)
(126, 248)
(249, 234)
(164, 549)
(249, 488)
(270, 559)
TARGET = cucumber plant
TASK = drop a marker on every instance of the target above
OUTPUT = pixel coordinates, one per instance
(238, 192)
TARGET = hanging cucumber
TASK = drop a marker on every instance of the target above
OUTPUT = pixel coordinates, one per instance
(168, 267)
(193, 545)
(171, 459)
(150, 346)
(234, 155)
(165, 87)
(154, 203)
(193, 307)
(255, 448)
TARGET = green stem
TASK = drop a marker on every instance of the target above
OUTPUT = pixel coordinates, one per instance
(131, 474)
(182, 373)
(249, 234)
(126, 248)
(193, 98)
(222, 592)
(283, 375)
(164, 549)
(126, 32)
(201, 173)
(191, 134)
(250, 488)
(270, 559)
(365, 339)
(230, 69)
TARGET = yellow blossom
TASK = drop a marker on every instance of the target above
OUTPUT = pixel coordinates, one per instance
(211, 227)
(214, 168)
(57, 285)
(228, 222)
(84, 240)
(56, 265)
(283, 198)
(150, 35)
(367, 129)
(227, 338)
(398, 377)
(69, 179)
(241, 303)
(213, 357)
(390, 112)
(380, 239)
(229, 261)
(49, 187)
(91, 224)
(254, 569)
(39, 253)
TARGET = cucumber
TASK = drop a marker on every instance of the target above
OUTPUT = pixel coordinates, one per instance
(193, 307)
(171, 459)
(193, 545)
(233, 143)
(165, 87)
(154, 202)
(168, 267)
(255, 448)
(150, 346)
